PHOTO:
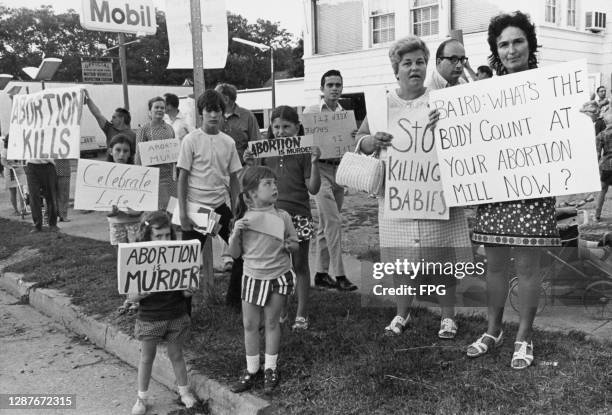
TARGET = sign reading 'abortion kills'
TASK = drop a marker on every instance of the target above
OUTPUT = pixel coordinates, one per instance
(518, 136)
(286, 146)
(147, 267)
(101, 185)
(46, 125)
(159, 151)
(412, 178)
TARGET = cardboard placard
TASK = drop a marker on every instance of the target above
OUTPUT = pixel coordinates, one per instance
(412, 186)
(332, 131)
(266, 223)
(159, 151)
(517, 136)
(100, 185)
(148, 267)
(286, 146)
(46, 125)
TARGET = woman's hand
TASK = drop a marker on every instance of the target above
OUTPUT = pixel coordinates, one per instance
(316, 154)
(382, 140)
(434, 117)
(248, 157)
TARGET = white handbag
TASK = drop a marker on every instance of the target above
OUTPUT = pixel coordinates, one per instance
(361, 172)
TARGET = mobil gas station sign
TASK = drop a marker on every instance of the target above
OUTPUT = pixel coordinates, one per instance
(133, 16)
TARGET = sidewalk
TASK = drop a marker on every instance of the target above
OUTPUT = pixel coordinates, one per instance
(556, 318)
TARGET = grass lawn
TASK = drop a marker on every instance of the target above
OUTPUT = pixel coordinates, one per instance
(343, 364)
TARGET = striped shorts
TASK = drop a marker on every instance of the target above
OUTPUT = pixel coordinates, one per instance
(257, 292)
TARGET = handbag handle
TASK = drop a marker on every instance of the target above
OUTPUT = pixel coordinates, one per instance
(375, 154)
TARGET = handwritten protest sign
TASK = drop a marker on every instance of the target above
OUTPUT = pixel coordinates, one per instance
(266, 223)
(412, 186)
(519, 136)
(332, 131)
(286, 146)
(159, 151)
(46, 125)
(100, 185)
(148, 267)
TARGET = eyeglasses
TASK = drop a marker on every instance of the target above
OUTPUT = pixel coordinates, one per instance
(456, 59)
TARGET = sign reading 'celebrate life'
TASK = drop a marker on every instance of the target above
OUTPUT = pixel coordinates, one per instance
(101, 185)
(46, 125)
(518, 136)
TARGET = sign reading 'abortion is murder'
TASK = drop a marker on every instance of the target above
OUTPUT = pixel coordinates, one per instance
(412, 182)
(518, 136)
(286, 146)
(147, 267)
(46, 125)
(101, 185)
(159, 151)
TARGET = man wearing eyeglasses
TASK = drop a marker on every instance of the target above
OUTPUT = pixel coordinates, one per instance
(450, 60)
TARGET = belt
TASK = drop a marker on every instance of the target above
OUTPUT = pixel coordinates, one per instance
(333, 162)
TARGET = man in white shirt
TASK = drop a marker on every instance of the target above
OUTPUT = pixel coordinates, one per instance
(175, 118)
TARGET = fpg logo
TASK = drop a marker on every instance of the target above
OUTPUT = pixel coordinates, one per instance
(119, 16)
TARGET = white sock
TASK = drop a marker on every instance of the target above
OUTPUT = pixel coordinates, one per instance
(143, 395)
(186, 396)
(252, 364)
(270, 361)
(183, 389)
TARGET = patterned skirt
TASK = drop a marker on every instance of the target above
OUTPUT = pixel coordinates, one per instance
(517, 223)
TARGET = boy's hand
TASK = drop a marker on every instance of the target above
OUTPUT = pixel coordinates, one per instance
(186, 223)
(354, 134)
(248, 157)
(189, 292)
(316, 154)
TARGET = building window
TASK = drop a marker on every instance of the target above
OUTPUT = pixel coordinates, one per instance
(550, 12)
(425, 17)
(382, 21)
(571, 12)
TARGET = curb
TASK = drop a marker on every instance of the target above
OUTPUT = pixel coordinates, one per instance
(59, 307)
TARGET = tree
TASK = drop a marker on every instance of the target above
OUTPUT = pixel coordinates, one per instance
(26, 34)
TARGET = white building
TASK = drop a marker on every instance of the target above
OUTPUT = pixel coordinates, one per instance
(354, 36)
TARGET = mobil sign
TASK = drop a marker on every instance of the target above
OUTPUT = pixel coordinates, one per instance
(133, 16)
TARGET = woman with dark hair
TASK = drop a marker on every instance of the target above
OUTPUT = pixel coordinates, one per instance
(158, 129)
(524, 225)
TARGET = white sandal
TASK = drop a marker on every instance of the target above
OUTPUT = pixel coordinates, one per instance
(522, 355)
(397, 326)
(481, 347)
(448, 329)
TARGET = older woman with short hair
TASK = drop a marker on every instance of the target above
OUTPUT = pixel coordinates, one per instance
(415, 239)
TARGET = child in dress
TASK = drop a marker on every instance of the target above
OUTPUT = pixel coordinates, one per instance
(162, 316)
(123, 226)
(268, 276)
(298, 176)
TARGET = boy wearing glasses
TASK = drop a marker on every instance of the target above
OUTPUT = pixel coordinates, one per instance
(450, 60)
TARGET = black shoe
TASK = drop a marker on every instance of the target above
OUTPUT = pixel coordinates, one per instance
(246, 382)
(323, 280)
(344, 284)
(271, 379)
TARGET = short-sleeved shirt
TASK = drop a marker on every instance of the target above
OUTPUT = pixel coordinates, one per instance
(242, 126)
(293, 172)
(110, 131)
(209, 159)
(180, 125)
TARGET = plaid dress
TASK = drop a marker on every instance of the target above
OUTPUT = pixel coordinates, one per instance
(167, 185)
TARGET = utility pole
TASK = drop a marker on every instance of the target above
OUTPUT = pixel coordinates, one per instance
(207, 277)
(123, 65)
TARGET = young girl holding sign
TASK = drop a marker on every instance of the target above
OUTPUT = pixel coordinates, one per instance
(268, 277)
(123, 227)
(298, 175)
(162, 316)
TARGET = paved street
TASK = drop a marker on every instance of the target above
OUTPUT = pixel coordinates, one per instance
(40, 357)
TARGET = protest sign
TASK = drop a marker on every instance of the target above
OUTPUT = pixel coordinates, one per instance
(286, 146)
(377, 112)
(100, 185)
(266, 223)
(518, 136)
(148, 267)
(46, 125)
(214, 33)
(159, 151)
(412, 185)
(332, 131)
